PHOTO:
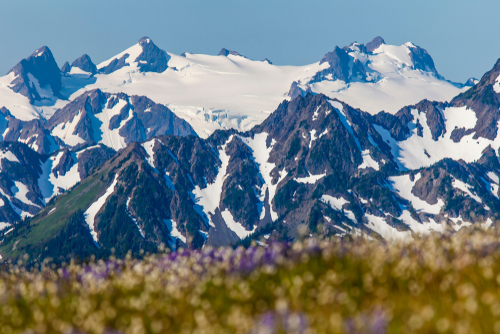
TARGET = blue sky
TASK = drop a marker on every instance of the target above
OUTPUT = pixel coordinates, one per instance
(460, 35)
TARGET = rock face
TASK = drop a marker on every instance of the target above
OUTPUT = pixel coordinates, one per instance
(353, 63)
(225, 52)
(114, 120)
(339, 66)
(152, 58)
(85, 64)
(374, 44)
(66, 68)
(32, 133)
(471, 82)
(35, 74)
(296, 90)
(115, 65)
(421, 59)
(484, 100)
(315, 164)
(28, 180)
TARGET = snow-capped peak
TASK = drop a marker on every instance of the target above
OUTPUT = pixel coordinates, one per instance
(145, 56)
(37, 77)
(225, 52)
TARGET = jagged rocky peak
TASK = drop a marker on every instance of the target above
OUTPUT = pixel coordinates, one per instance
(374, 44)
(484, 99)
(145, 55)
(434, 116)
(35, 74)
(339, 66)
(355, 46)
(66, 68)
(421, 58)
(152, 58)
(114, 120)
(85, 64)
(267, 61)
(225, 52)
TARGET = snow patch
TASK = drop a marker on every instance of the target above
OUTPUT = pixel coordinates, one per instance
(403, 185)
(66, 131)
(335, 202)
(209, 198)
(234, 226)
(148, 146)
(133, 219)
(49, 184)
(466, 189)
(311, 179)
(389, 233)
(368, 161)
(493, 177)
(169, 182)
(496, 86)
(95, 207)
(174, 233)
(8, 155)
(20, 190)
(261, 155)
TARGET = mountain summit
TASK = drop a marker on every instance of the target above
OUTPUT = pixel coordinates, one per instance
(145, 56)
(38, 76)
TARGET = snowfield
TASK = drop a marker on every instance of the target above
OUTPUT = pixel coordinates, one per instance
(218, 92)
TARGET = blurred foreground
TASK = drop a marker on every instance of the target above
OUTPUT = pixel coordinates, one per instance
(437, 284)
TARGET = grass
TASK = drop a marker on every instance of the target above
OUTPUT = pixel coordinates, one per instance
(434, 284)
(44, 226)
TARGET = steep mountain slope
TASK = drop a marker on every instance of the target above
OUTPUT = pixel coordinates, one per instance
(114, 120)
(316, 165)
(28, 180)
(137, 200)
(425, 133)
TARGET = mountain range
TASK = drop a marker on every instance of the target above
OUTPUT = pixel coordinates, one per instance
(152, 148)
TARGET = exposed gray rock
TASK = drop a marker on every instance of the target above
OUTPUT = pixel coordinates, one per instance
(267, 61)
(225, 52)
(114, 65)
(339, 66)
(152, 58)
(355, 47)
(374, 44)
(434, 115)
(358, 70)
(149, 119)
(485, 102)
(156, 119)
(43, 67)
(65, 163)
(66, 68)
(422, 60)
(85, 64)
(91, 158)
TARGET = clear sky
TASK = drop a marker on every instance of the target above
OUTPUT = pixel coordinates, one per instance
(462, 36)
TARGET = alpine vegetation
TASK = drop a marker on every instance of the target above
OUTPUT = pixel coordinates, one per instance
(436, 284)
